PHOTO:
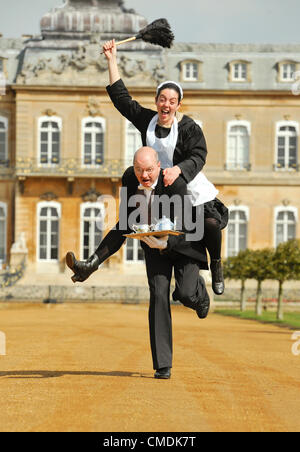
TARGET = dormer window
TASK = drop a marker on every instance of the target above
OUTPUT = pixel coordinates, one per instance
(287, 70)
(239, 71)
(3, 141)
(3, 66)
(190, 71)
(3, 75)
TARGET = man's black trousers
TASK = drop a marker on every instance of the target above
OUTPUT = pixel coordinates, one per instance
(189, 290)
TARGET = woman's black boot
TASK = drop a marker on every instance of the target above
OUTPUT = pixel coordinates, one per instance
(218, 285)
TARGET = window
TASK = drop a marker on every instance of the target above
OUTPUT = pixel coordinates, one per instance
(191, 71)
(133, 142)
(287, 146)
(285, 224)
(238, 140)
(49, 140)
(237, 232)
(93, 141)
(3, 76)
(239, 72)
(3, 140)
(48, 230)
(2, 79)
(92, 218)
(133, 251)
(2, 233)
(287, 71)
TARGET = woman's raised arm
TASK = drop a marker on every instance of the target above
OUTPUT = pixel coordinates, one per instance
(110, 52)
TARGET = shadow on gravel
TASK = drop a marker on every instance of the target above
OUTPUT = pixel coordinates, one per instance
(61, 373)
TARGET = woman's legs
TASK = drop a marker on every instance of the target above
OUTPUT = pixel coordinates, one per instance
(213, 242)
(213, 237)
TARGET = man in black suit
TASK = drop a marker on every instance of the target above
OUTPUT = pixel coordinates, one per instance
(144, 183)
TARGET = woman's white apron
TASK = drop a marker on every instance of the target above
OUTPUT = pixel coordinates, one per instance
(200, 189)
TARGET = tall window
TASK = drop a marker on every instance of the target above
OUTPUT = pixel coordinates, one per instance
(48, 229)
(133, 251)
(2, 233)
(133, 142)
(287, 146)
(238, 141)
(3, 140)
(92, 218)
(285, 224)
(237, 232)
(93, 141)
(49, 133)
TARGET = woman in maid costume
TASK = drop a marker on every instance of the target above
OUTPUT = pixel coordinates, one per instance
(181, 147)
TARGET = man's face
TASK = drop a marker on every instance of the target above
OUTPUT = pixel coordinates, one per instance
(146, 169)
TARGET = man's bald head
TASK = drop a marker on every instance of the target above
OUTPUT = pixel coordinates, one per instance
(146, 165)
(145, 153)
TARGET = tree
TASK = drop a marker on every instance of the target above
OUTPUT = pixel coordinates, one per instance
(261, 268)
(238, 269)
(286, 266)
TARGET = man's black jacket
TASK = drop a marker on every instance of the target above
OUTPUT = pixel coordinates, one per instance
(176, 244)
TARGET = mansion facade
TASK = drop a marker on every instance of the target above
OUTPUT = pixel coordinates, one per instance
(63, 146)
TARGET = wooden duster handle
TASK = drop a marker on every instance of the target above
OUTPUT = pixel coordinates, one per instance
(133, 38)
(126, 40)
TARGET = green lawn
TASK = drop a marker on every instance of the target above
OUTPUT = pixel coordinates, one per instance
(291, 319)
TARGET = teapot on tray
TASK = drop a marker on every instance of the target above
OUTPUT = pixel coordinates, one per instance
(163, 224)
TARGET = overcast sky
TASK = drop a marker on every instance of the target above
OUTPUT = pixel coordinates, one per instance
(235, 21)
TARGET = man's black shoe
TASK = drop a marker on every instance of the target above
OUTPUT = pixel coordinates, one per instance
(218, 285)
(82, 269)
(164, 373)
(203, 306)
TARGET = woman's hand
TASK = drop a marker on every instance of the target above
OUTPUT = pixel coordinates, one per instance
(110, 49)
(110, 52)
(171, 174)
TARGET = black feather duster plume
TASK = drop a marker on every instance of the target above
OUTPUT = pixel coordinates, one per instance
(158, 32)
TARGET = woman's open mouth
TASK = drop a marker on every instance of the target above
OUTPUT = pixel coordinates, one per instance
(165, 114)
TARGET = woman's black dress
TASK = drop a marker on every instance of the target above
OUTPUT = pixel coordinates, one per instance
(190, 151)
